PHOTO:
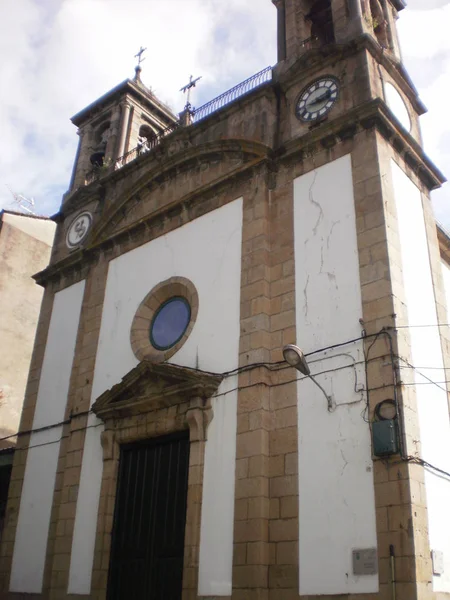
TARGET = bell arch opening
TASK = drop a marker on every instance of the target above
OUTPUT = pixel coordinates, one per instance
(320, 18)
(379, 23)
(101, 136)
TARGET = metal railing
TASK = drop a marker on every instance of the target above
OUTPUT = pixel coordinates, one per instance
(151, 142)
(310, 42)
(236, 92)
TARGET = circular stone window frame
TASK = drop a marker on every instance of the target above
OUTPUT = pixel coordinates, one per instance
(140, 335)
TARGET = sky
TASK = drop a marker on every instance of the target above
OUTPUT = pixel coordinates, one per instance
(57, 56)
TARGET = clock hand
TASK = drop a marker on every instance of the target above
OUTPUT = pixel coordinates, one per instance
(321, 98)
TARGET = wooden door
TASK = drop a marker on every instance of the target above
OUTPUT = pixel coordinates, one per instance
(149, 522)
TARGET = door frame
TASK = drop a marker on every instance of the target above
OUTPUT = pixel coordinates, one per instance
(143, 407)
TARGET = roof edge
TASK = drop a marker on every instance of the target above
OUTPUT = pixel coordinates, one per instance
(20, 214)
(131, 87)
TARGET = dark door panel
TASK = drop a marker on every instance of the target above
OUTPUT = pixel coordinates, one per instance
(149, 522)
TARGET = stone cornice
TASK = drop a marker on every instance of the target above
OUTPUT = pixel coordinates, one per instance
(81, 259)
(444, 243)
(399, 4)
(168, 164)
(138, 91)
(371, 114)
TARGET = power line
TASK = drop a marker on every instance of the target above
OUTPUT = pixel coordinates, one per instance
(420, 326)
(237, 388)
(271, 366)
(428, 382)
(274, 367)
(423, 463)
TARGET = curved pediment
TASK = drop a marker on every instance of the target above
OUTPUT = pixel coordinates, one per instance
(171, 175)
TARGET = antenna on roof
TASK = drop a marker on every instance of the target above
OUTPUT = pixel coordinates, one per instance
(22, 201)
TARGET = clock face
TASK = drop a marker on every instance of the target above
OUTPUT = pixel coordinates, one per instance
(397, 105)
(78, 230)
(317, 99)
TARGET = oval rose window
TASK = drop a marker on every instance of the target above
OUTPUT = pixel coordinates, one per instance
(170, 323)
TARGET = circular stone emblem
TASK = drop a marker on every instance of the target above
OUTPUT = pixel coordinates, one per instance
(79, 229)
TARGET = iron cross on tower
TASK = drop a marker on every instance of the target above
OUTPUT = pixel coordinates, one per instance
(139, 55)
(187, 88)
(138, 67)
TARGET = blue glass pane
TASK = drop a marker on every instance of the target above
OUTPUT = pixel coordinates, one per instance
(170, 323)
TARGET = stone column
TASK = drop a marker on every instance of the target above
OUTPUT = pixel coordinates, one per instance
(355, 9)
(348, 20)
(124, 128)
(75, 164)
(112, 147)
(281, 10)
(83, 164)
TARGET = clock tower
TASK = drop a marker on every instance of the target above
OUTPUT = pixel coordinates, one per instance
(352, 150)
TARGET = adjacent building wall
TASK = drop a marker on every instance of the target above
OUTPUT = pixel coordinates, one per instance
(25, 247)
(336, 488)
(208, 252)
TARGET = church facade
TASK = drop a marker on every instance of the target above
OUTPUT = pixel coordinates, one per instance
(238, 384)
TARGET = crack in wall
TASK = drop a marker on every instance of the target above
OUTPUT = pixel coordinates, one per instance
(305, 294)
(317, 204)
(345, 463)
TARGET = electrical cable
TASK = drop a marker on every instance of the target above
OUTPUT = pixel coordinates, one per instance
(436, 383)
(426, 465)
(237, 388)
(279, 365)
(420, 326)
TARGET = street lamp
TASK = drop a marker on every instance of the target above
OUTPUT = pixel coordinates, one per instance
(294, 356)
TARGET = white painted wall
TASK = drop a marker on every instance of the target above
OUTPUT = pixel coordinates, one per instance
(39, 482)
(83, 541)
(432, 402)
(336, 489)
(208, 252)
(216, 534)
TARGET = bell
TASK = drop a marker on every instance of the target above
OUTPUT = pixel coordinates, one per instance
(97, 159)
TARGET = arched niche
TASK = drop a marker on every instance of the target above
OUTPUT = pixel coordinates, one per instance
(320, 17)
(101, 135)
(379, 23)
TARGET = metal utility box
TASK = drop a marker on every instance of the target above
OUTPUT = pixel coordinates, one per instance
(385, 437)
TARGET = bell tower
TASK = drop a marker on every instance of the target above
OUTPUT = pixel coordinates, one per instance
(306, 24)
(126, 118)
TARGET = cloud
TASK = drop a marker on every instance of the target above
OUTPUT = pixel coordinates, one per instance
(60, 55)
(426, 53)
